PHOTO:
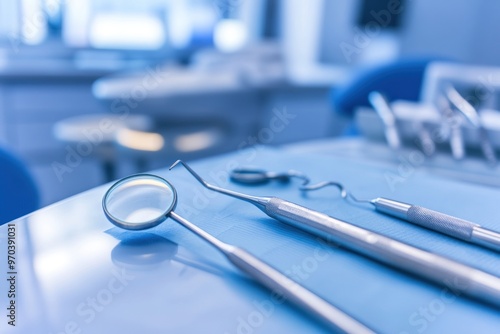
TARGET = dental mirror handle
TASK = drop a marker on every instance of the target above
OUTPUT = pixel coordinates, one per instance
(433, 267)
(292, 291)
(440, 222)
(274, 280)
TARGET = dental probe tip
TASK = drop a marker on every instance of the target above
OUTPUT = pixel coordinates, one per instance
(175, 164)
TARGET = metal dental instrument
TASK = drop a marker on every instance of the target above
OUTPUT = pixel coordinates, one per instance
(454, 128)
(437, 221)
(472, 116)
(434, 220)
(142, 201)
(255, 176)
(425, 139)
(433, 267)
(384, 110)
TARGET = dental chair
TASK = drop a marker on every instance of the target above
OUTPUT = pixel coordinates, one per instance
(18, 192)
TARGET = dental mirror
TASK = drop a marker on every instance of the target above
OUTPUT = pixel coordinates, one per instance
(139, 202)
(142, 201)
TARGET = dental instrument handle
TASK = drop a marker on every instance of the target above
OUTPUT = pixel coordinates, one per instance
(438, 269)
(440, 222)
(293, 292)
(456, 276)
(274, 280)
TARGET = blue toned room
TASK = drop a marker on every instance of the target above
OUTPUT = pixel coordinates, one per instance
(249, 166)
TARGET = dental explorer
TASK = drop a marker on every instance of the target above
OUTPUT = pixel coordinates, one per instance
(433, 220)
(438, 269)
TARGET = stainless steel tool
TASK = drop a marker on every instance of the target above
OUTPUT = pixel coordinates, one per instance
(452, 125)
(434, 220)
(472, 116)
(142, 201)
(433, 267)
(384, 110)
(425, 139)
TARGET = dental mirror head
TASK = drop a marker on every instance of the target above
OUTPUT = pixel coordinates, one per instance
(139, 202)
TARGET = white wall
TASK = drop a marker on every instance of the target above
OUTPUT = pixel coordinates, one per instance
(463, 30)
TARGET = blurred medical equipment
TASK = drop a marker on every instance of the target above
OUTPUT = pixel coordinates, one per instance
(472, 116)
(399, 80)
(394, 117)
(383, 109)
(451, 128)
(459, 105)
(386, 114)
(425, 139)
(432, 267)
(142, 201)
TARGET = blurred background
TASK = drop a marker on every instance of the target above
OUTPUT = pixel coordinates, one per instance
(93, 90)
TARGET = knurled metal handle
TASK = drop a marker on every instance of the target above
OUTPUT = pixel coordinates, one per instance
(453, 226)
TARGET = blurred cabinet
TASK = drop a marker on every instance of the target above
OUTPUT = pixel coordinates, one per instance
(31, 109)
(32, 99)
(194, 123)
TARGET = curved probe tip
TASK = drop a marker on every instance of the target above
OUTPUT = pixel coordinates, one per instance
(344, 194)
(175, 164)
(340, 187)
(192, 172)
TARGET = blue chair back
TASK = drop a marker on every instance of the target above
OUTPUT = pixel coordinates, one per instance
(18, 192)
(401, 79)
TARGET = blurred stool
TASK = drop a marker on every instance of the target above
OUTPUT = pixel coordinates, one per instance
(18, 192)
(181, 140)
(97, 134)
